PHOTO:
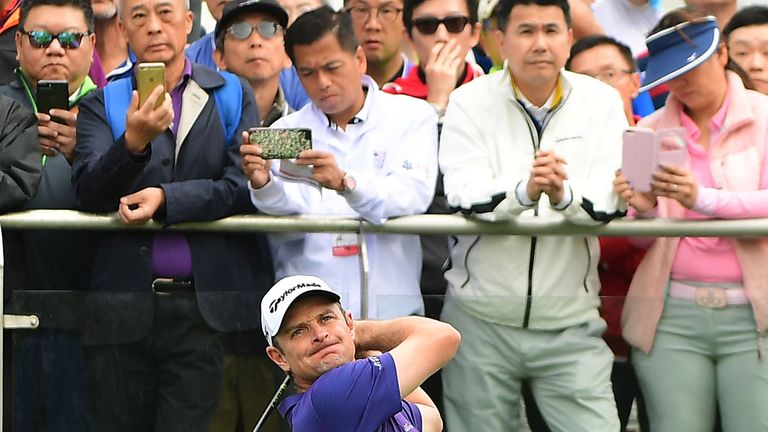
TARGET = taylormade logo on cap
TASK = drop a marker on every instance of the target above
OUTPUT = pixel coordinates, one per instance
(281, 296)
(276, 302)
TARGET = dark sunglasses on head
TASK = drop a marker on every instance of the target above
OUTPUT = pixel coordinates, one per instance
(43, 39)
(243, 30)
(429, 25)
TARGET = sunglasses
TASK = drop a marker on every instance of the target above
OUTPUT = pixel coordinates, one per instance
(243, 30)
(429, 25)
(43, 39)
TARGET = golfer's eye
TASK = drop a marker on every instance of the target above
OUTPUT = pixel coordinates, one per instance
(296, 333)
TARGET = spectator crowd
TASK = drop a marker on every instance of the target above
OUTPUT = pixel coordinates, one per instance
(494, 110)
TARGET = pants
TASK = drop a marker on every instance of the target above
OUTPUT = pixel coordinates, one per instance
(50, 387)
(250, 381)
(625, 389)
(166, 382)
(569, 372)
(702, 357)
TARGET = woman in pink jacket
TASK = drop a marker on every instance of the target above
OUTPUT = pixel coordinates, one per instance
(697, 309)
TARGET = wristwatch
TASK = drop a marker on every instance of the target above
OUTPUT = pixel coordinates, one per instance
(348, 183)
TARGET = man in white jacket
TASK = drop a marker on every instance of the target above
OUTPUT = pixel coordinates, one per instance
(374, 156)
(530, 141)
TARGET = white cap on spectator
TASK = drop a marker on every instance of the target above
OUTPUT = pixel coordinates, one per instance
(283, 294)
(485, 9)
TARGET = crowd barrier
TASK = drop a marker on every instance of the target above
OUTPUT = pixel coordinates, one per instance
(420, 224)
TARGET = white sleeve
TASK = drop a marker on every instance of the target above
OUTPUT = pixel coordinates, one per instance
(594, 201)
(411, 172)
(466, 163)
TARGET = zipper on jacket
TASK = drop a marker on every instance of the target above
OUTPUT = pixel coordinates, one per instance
(466, 260)
(536, 137)
(589, 264)
(529, 296)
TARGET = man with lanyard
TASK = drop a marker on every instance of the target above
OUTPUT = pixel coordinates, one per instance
(530, 141)
(159, 303)
(314, 340)
(54, 41)
(373, 157)
(379, 28)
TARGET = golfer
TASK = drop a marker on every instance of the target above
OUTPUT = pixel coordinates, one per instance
(315, 341)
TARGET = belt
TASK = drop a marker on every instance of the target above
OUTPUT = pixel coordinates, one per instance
(170, 285)
(709, 297)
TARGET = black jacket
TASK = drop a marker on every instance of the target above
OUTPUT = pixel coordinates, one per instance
(231, 271)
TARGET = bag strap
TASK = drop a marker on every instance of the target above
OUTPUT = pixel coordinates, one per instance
(229, 104)
(117, 99)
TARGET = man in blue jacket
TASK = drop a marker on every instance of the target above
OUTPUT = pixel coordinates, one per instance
(160, 302)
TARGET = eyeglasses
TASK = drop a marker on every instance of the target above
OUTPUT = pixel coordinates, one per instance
(43, 39)
(611, 76)
(243, 30)
(386, 13)
(429, 25)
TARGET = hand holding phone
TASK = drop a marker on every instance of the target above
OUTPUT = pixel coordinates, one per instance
(144, 124)
(51, 94)
(645, 150)
(281, 143)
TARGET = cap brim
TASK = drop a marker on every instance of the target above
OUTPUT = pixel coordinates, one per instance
(675, 60)
(270, 9)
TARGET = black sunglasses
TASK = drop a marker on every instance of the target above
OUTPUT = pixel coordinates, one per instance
(243, 30)
(429, 25)
(43, 39)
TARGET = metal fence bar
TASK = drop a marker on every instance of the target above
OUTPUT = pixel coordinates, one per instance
(420, 224)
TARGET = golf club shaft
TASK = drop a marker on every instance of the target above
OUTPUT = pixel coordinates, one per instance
(272, 404)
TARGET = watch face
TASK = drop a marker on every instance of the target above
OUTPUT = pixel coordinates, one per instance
(349, 183)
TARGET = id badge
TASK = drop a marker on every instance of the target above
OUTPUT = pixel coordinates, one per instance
(345, 245)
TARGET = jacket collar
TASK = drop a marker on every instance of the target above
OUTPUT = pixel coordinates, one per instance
(206, 78)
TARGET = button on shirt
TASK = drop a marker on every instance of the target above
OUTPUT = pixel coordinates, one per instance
(391, 151)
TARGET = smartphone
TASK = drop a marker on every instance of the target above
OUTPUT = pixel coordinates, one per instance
(281, 143)
(639, 157)
(51, 94)
(150, 76)
(672, 148)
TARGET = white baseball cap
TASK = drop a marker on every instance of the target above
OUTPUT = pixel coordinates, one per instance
(485, 9)
(283, 294)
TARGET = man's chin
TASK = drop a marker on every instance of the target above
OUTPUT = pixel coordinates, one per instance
(331, 361)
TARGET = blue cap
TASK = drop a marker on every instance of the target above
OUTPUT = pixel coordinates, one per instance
(677, 50)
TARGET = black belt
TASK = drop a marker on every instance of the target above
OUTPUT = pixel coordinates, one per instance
(170, 285)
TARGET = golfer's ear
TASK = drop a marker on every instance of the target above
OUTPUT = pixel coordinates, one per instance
(276, 356)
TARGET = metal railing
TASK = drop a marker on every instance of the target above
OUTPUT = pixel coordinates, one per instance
(421, 224)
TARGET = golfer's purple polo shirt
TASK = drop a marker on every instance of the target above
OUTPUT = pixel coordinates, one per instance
(362, 396)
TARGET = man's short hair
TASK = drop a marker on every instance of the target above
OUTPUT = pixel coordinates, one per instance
(316, 24)
(505, 7)
(410, 5)
(593, 41)
(120, 7)
(749, 16)
(83, 5)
